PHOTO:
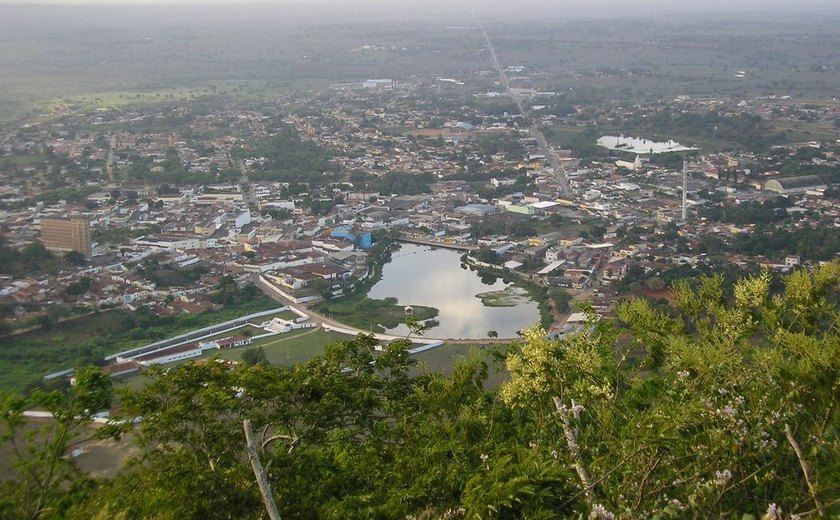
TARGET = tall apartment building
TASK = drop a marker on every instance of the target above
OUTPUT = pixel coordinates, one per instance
(66, 233)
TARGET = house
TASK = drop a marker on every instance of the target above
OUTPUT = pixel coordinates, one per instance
(552, 255)
(120, 369)
(232, 342)
(792, 260)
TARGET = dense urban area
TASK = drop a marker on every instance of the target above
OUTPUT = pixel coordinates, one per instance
(183, 208)
(146, 233)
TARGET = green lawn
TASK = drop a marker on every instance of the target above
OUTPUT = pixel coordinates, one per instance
(27, 357)
(396, 130)
(302, 345)
(285, 315)
(285, 349)
(295, 347)
(79, 329)
(23, 159)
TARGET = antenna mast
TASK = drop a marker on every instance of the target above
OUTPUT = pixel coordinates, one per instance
(685, 191)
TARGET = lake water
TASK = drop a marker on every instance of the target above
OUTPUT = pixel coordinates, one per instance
(420, 275)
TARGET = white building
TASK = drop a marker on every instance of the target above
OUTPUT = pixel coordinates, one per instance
(167, 355)
(792, 185)
(378, 84)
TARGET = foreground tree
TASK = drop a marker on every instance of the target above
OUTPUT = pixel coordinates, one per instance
(721, 409)
(723, 405)
(350, 434)
(47, 478)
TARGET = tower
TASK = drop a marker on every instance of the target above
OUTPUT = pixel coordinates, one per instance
(685, 191)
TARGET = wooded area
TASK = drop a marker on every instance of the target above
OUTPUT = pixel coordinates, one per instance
(718, 408)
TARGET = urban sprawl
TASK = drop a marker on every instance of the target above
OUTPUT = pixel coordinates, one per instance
(164, 207)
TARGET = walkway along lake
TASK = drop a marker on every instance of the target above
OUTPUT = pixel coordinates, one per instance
(420, 275)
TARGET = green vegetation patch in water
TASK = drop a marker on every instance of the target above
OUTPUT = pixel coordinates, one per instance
(376, 315)
(508, 297)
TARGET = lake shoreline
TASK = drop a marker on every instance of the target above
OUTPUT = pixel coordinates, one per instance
(420, 275)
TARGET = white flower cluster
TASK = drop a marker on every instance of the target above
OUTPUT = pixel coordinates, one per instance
(600, 512)
(774, 512)
(453, 513)
(722, 477)
(765, 442)
(728, 411)
(576, 409)
(730, 414)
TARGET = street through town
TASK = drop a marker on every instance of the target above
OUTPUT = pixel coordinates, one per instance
(559, 171)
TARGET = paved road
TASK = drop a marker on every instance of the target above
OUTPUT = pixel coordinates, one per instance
(109, 163)
(559, 171)
(322, 320)
(244, 182)
(432, 243)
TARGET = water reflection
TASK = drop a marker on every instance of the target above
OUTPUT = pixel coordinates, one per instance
(419, 275)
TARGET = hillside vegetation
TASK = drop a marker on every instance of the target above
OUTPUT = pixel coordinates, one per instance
(722, 406)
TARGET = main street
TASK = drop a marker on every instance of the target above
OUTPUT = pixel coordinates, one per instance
(244, 182)
(112, 150)
(559, 171)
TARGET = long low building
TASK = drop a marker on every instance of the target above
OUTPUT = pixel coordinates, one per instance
(168, 355)
(793, 185)
(170, 241)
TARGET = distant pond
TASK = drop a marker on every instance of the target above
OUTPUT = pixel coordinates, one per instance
(469, 306)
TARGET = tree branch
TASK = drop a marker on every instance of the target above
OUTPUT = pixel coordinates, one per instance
(277, 437)
(262, 479)
(571, 442)
(649, 471)
(806, 472)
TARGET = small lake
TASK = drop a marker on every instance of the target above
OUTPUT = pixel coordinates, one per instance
(420, 275)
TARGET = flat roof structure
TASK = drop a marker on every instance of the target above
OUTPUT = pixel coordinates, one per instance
(640, 146)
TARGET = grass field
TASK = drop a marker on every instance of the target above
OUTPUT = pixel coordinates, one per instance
(26, 358)
(302, 345)
(255, 331)
(294, 347)
(32, 355)
(23, 160)
(444, 359)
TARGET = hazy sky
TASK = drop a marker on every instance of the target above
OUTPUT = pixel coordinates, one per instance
(802, 5)
(491, 9)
